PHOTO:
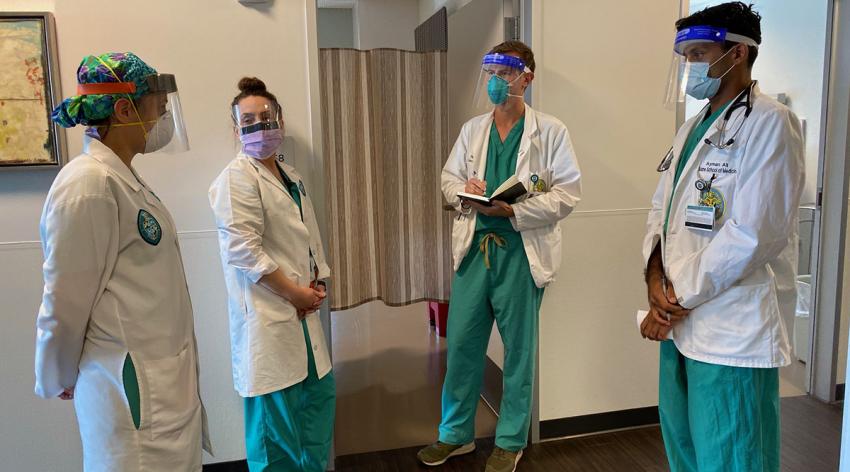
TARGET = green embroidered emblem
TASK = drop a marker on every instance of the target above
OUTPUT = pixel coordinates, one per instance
(714, 198)
(149, 228)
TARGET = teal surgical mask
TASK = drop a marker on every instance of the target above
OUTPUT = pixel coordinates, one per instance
(499, 89)
(700, 86)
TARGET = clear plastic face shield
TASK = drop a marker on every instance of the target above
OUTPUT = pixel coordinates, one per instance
(168, 133)
(690, 68)
(499, 81)
(260, 126)
(254, 114)
(158, 112)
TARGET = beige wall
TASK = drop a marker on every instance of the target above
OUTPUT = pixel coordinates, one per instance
(209, 46)
(385, 24)
(601, 68)
(429, 7)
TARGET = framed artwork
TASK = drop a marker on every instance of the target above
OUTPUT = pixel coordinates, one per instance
(29, 90)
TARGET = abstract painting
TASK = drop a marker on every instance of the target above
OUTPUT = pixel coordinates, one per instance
(28, 91)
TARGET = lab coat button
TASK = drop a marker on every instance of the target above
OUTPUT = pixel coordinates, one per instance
(315, 347)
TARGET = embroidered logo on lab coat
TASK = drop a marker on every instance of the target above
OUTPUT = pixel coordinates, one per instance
(149, 228)
(301, 187)
(714, 199)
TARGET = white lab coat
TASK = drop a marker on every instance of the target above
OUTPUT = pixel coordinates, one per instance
(740, 277)
(260, 230)
(109, 293)
(545, 151)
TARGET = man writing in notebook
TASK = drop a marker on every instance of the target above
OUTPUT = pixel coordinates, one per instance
(504, 252)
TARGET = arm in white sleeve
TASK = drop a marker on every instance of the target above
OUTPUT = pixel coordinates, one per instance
(454, 176)
(654, 222)
(77, 236)
(564, 191)
(760, 218)
(235, 200)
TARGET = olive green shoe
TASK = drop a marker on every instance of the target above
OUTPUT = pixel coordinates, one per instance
(438, 453)
(503, 461)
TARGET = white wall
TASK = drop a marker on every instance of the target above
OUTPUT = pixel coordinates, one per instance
(385, 24)
(335, 27)
(42, 435)
(606, 85)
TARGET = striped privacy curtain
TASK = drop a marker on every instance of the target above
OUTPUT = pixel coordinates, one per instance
(384, 119)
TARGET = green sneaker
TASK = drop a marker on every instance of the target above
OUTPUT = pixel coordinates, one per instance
(438, 453)
(503, 461)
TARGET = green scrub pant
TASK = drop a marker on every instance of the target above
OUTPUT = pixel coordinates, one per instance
(507, 294)
(291, 430)
(718, 418)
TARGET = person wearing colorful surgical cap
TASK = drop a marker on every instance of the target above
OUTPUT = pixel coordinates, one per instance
(115, 329)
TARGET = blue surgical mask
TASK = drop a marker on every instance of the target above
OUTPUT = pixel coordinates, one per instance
(497, 89)
(700, 85)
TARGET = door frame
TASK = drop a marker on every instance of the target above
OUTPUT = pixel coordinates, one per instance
(828, 279)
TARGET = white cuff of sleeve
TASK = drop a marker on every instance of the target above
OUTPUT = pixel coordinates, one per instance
(265, 267)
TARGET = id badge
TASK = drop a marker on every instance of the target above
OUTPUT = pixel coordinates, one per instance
(700, 217)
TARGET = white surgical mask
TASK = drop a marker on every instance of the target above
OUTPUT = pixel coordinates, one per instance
(160, 135)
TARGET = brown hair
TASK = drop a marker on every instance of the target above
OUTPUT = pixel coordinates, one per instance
(516, 47)
(253, 87)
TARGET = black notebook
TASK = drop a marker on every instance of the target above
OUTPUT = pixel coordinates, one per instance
(508, 192)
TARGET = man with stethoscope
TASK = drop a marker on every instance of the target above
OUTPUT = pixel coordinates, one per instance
(721, 252)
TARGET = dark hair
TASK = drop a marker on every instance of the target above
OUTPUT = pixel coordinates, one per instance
(736, 17)
(516, 47)
(253, 87)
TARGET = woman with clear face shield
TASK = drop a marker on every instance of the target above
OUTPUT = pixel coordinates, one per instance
(274, 268)
(115, 330)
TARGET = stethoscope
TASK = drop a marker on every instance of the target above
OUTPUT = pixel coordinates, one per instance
(743, 100)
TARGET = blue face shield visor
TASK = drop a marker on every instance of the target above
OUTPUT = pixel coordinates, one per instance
(496, 82)
(681, 69)
(707, 34)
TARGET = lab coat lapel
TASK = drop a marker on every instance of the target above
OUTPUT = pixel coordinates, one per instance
(529, 133)
(713, 135)
(482, 138)
(107, 157)
(265, 174)
(101, 153)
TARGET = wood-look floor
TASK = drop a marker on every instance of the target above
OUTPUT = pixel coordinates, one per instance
(811, 433)
(389, 366)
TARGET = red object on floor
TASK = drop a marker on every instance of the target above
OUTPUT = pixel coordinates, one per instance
(438, 314)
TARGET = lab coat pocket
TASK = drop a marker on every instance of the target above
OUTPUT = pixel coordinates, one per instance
(737, 322)
(172, 389)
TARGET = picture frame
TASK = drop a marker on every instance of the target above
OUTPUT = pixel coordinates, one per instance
(29, 91)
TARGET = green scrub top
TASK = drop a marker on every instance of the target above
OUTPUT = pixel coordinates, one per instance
(697, 133)
(501, 165)
(292, 187)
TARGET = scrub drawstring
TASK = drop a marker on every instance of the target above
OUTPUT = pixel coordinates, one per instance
(484, 246)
